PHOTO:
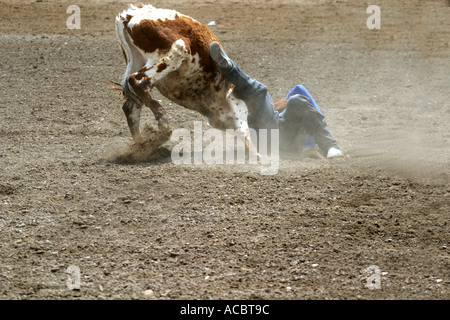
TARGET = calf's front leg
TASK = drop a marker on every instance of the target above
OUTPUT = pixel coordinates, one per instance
(132, 112)
(141, 89)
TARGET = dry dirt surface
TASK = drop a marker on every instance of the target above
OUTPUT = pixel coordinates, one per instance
(75, 195)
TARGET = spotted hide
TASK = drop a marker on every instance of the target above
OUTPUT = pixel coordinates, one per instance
(170, 51)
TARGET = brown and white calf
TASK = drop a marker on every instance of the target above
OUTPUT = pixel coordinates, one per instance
(170, 51)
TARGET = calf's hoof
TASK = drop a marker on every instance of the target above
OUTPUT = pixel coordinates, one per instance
(163, 122)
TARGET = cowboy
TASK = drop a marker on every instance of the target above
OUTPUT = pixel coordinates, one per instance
(300, 118)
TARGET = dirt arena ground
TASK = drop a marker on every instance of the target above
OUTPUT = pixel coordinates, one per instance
(151, 229)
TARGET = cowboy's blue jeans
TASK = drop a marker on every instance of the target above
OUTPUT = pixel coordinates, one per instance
(298, 121)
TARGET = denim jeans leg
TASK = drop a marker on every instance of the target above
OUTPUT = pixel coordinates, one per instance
(300, 114)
